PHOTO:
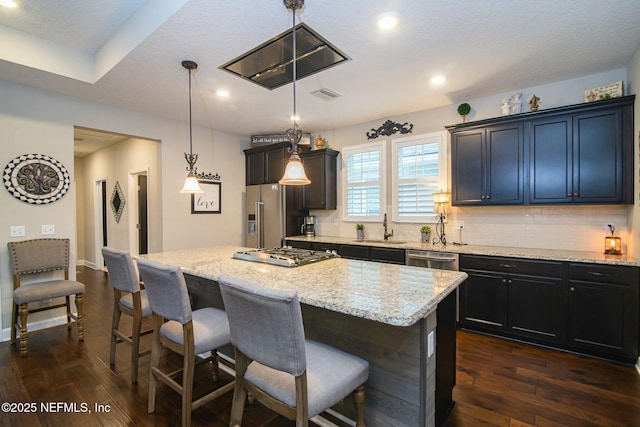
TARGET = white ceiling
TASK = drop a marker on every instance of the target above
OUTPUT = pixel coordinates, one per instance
(128, 54)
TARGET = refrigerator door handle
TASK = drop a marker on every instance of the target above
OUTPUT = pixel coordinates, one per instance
(259, 224)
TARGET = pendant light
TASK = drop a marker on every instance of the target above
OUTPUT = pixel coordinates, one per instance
(191, 184)
(294, 172)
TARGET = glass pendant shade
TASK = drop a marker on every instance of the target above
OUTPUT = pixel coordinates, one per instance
(191, 184)
(294, 173)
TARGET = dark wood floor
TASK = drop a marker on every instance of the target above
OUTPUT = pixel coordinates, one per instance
(499, 383)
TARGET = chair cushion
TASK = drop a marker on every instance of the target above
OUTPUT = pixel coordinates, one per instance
(44, 290)
(127, 301)
(331, 375)
(210, 330)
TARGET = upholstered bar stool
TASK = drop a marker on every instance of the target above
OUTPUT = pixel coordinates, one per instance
(295, 377)
(31, 258)
(129, 299)
(185, 332)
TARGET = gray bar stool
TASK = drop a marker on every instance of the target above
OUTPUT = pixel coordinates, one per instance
(295, 377)
(128, 299)
(185, 332)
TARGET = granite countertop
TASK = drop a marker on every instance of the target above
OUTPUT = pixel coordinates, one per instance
(393, 294)
(532, 253)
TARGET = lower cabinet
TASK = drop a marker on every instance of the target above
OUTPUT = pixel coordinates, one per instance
(587, 308)
(365, 253)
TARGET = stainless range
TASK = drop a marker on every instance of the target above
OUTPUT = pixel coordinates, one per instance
(286, 257)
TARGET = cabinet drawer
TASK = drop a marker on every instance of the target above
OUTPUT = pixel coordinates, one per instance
(354, 252)
(299, 244)
(603, 273)
(317, 246)
(512, 265)
(393, 256)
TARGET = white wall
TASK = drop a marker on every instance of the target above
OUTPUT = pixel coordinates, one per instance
(634, 216)
(35, 121)
(572, 227)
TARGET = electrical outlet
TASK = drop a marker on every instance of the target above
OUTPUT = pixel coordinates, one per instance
(48, 230)
(607, 229)
(459, 225)
(17, 231)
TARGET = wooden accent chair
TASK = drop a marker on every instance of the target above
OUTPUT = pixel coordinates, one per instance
(31, 258)
(129, 299)
(183, 331)
(293, 376)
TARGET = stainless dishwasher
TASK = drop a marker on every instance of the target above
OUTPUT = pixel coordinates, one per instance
(437, 260)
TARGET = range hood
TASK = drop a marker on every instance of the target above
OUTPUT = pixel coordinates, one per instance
(270, 64)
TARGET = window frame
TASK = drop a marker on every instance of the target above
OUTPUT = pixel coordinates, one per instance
(381, 147)
(443, 158)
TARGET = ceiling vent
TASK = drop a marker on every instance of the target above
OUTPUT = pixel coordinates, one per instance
(270, 65)
(326, 94)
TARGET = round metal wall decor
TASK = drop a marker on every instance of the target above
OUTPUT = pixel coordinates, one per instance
(36, 179)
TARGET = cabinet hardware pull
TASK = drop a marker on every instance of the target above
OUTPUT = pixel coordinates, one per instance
(568, 194)
(595, 273)
(504, 280)
(507, 265)
(575, 194)
(572, 289)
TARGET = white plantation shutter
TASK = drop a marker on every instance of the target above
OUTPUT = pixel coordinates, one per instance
(419, 171)
(364, 182)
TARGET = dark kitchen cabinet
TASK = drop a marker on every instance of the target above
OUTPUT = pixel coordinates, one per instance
(388, 255)
(266, 164)
(488, 165)
(579, 158)
(578, 154)
(361, 252)
(321, 168)
(603, 311)
(513, 297)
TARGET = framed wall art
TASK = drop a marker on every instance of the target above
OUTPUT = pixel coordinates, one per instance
(117, 201)
(207, 202)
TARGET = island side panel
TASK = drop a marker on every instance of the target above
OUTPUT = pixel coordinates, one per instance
(401, 386)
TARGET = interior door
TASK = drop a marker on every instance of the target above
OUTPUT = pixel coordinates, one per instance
(143, 224)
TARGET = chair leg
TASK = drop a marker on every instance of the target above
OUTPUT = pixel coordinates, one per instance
(187, 385)
(24, 335)
(215, 370)
(153, 364)
(135, 345)
(239, 392)
(80, 320)
(115, 323)
(358, 398)
(68, 303)
(14, 320)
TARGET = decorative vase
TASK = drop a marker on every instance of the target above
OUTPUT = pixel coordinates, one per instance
(360, 234)
(516, 104)
(506, 106)
(426, 237)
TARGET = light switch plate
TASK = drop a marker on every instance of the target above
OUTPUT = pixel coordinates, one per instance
(459, 225)
(17, 231)
(48, 230)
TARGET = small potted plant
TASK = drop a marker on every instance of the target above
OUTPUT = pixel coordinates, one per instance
(426, 233)
(360, 231)
(463, 110)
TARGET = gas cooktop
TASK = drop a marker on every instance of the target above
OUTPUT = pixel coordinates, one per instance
(286, 256)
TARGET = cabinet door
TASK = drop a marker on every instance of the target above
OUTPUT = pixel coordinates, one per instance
(505, 164)
(467, 164)
(255, 168)
(550, 160)
(483, 300)
(389, 255)
(597, 157)
(536, 308)
(275, 163)
(603, 320)
(354, 252)
(321, 168)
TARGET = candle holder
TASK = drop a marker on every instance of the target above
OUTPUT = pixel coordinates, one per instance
(612, 243)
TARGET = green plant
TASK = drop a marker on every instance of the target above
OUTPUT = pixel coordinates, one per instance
(464, 109)
(425, 229)
(359, 226)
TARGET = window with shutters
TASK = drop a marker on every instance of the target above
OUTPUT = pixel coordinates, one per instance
(364, 182)
(419, 170)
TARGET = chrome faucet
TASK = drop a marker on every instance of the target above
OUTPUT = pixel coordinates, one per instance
(384, 224)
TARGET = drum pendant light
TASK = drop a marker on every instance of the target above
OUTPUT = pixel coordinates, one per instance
(191, 184)
(294, 172)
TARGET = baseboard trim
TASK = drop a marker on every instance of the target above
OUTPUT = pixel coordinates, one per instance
(36, 326)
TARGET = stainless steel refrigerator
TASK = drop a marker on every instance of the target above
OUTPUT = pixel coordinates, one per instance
(273, 211)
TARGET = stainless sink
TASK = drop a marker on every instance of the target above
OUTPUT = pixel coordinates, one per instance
(390, 242)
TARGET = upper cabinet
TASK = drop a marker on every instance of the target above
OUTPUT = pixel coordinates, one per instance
(266, 164)
(321, 168)
(576, 154)
(488, 165)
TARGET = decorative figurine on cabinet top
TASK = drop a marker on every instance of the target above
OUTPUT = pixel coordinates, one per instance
(533, 103)
(320, 142)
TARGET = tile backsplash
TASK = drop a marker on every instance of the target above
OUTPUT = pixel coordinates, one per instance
(573, 227)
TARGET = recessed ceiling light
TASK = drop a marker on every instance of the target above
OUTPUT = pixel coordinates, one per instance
(8, 3)
(222, 93)
(388, 21)
(438, 80)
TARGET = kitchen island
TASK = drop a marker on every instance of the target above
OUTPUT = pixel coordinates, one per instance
(401, 319)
